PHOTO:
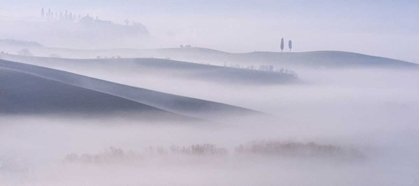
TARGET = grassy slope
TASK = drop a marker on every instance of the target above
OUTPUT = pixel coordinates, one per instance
(163, 68)
(23, 93)
(329, 59)
(173, 103)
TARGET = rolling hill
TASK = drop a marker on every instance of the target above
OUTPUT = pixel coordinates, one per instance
(23, 93)
(56, 91)
(162, 68)
(313, 59)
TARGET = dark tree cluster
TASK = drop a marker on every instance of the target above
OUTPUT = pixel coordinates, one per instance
(269, 68)
(282, 45)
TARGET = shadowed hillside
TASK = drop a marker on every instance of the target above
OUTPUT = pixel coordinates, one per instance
(164, 67)
(23, 93)
(172, 103)
(315, 59)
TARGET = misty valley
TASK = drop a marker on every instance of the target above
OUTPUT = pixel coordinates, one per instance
(88, 100)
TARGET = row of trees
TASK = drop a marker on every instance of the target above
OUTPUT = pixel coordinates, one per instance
(69, 16)
(282, 45)
(62, 16)
(269, 68)
(270, 148)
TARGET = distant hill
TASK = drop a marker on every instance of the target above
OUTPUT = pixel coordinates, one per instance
(19, 43)
(86, 32)
(328, 59)
(53, 90)
(164, 68)
(25, 93)
(315, 59)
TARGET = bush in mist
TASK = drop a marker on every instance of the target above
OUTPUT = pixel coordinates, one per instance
(270, 148)
(295, 149)
(269, 68)
(117, 155)
(24, 52)
(199, 149)
(12, 165)
(110, 155)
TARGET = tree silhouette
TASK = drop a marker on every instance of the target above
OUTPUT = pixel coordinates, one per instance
(290, 45)
(42, 12)
(24, 52)
(282, 45)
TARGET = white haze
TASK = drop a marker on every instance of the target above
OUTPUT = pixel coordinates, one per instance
(373, 111)
(239, 26)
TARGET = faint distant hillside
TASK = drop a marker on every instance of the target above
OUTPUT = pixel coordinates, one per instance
(313, 59)
(32, 89)
(78, 32)
(291, 60)
(19, 43)
(134, 68)
(97, 26)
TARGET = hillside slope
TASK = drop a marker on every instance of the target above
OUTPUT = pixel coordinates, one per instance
(23, 93)
(162, 68)
(327, 59)
(314, 59)
(177, 104)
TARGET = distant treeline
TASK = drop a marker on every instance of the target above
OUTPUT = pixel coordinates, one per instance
(264, 148)
(87, 20)
(269, 68)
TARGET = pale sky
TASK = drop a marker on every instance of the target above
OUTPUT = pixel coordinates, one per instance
(388, 28)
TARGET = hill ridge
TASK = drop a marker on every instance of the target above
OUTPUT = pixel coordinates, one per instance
(173, 103)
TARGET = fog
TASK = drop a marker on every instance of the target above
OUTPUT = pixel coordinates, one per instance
(354, 26)
(176, 93)
(373, 111)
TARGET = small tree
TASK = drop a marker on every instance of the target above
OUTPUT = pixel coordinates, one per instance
(25, 52)
(290, 45)
(42, 12)
(282, 45)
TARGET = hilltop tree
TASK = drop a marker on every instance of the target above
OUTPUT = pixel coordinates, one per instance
(282, 45)
(24, 52)
(49, 12)
(42, 12)
(290, 45)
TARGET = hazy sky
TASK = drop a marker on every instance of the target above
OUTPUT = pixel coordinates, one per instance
(387, 28)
